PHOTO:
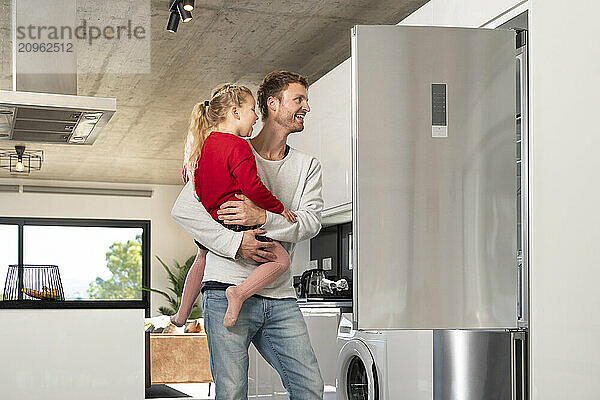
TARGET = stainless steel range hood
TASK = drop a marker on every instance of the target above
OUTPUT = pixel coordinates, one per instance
(43, 106)
(53, 118)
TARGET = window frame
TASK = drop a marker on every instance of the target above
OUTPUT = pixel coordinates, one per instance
(144, 303)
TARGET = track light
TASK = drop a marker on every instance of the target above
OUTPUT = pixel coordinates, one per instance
(173, 22)
(185, 15)
(188, 5)
(180, 10)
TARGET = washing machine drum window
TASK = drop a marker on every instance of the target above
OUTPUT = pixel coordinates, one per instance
(357, 383)
(357, 374)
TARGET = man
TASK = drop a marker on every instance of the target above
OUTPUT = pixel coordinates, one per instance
(271, 320)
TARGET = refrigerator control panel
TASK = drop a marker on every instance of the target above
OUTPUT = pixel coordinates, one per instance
(439, 110)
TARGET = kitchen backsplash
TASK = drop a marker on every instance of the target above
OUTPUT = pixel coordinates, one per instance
(330, 250)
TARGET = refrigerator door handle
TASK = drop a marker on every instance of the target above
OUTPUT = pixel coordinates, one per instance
(513, 367)
(518, 365)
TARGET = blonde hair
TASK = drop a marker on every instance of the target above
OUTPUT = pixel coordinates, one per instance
(205, 117)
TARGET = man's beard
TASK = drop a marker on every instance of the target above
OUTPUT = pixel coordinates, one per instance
(298, 129)
(292, 124)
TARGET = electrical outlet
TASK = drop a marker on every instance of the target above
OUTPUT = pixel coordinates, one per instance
(312, 264)
(327, 264)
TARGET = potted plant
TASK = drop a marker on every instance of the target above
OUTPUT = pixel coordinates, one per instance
(177, 275)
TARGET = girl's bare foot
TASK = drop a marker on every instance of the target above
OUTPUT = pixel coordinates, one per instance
(234, 304)
(176, 320)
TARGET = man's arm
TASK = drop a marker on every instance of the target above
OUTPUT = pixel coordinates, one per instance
(308, 214)
(191, 215)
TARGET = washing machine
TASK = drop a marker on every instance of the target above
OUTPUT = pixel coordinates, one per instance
(383, 365)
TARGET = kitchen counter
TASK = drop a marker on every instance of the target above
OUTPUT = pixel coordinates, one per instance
(93, 354)
(75, 304)
(344, 305)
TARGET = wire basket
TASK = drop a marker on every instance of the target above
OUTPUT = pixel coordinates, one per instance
(33, 282)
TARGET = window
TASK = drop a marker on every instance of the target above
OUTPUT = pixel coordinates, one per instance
(102, 263)
(9, 243)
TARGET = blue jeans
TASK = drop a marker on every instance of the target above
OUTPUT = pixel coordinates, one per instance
(276, 328)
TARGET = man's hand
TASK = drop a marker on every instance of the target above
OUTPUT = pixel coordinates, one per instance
(243, 212)
(252, 249)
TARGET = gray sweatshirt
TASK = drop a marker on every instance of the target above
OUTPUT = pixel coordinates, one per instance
(296, 182)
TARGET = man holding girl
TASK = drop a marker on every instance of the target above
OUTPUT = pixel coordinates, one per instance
(264, 311)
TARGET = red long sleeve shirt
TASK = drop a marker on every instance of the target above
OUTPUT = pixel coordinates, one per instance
(227, 167)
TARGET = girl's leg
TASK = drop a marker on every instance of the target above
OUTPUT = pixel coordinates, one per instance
(191, 289)
(261, 277)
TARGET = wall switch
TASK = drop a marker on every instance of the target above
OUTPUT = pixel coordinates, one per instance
(312, 264)
(327, 264)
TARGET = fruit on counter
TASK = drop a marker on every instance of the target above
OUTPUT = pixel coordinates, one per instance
(48, 293)
(170, 329)
(194, 326)
(53, 292)
(162, 324)
(34, 293)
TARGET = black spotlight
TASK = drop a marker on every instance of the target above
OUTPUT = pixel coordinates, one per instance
(185, 15)
(188, 5)
(173, 22)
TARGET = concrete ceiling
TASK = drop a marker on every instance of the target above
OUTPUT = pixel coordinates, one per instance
(227, 41)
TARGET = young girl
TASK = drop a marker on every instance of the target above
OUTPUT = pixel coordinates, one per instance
(221, 165)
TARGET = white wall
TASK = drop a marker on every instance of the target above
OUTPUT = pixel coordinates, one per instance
(168, 240)
(565, 220)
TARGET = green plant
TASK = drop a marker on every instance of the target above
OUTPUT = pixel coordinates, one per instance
(177, 278)
(124, 261)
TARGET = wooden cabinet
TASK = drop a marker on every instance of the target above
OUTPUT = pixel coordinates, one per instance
(179, 358)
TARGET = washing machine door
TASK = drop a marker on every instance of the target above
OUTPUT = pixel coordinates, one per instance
(357, 376)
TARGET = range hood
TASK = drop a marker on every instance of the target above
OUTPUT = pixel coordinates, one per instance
(53, 118)
(43, 106)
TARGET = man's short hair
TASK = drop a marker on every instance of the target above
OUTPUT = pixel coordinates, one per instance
(273, 86)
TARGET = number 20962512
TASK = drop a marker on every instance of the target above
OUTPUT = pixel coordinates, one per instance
(45, 47)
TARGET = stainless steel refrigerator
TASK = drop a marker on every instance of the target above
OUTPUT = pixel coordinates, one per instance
(435, 200)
